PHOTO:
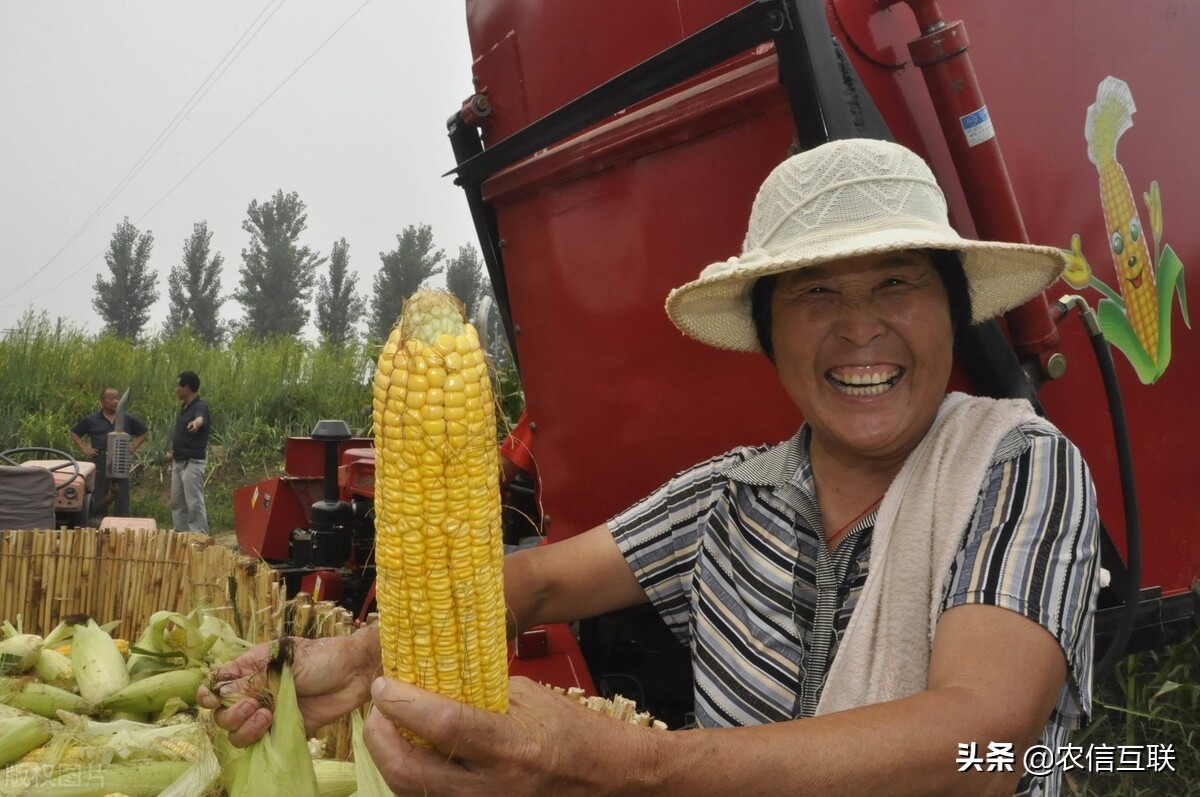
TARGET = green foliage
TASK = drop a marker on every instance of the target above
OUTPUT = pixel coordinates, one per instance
(404, 270)
(339, 307)
(194, 289)
(124, 300)
(464, 277)
(259, 393)
(1152, 698)
(510, 396)
(277, 272)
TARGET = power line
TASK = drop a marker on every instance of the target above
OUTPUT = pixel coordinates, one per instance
(164, 135)
(211, 152)
(265, 100)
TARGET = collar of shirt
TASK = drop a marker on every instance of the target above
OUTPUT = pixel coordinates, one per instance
(787, 471)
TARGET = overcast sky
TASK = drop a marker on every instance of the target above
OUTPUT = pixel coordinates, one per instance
(358, 131)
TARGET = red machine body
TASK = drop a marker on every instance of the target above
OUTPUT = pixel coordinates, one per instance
(266, 513)
(595, 230)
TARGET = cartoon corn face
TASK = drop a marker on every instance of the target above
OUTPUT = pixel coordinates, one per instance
(1107, 120)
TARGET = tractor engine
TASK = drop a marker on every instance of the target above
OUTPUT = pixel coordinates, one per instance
(316, 524)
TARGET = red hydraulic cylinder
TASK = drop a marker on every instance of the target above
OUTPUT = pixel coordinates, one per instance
(941, 53)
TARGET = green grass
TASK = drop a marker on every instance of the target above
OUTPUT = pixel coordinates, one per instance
(1152, 698)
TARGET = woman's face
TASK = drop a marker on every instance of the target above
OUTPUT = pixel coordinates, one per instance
(864, 348)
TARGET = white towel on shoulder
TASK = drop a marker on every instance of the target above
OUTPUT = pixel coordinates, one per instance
(884, 653)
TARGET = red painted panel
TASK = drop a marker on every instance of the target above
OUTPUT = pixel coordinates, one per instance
(304, 456)
(264, 515)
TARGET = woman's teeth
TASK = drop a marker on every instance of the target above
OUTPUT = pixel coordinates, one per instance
(864, 383)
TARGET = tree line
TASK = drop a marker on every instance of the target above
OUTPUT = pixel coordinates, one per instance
(276, 283)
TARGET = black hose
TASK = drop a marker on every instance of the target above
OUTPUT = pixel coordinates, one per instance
(1133, 535)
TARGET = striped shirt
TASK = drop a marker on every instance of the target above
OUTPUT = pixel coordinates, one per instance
(731, 553)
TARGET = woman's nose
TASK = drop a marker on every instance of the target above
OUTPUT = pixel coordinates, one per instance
(859, 322)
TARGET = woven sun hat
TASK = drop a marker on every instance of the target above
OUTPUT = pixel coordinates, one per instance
(845, 199)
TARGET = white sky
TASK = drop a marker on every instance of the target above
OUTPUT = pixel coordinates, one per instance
(87, 87)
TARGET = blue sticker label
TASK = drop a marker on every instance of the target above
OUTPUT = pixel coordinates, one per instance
(977, 126)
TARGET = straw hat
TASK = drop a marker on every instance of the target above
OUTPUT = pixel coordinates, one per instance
(839, 200)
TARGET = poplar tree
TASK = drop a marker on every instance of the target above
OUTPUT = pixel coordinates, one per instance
(277, 272)
(404, 270)
(123, 301)
(339, 307)
(194, 289)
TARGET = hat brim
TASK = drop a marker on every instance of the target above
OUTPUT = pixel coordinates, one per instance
(715, 309)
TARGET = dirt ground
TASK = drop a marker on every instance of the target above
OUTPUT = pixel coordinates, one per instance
(226, 538)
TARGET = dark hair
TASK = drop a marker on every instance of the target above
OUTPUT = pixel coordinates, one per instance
(948, 263)
(945, 261)
(190, 380)
(760, 312)
(104, 390)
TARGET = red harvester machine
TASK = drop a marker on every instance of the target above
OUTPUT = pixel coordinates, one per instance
(610, 150)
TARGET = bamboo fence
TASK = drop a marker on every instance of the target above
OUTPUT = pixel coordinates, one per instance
(128, 574)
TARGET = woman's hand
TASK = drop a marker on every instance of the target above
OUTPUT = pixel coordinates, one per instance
(546, 744)
(333, 676)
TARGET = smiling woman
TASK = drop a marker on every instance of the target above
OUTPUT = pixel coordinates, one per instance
(864, 348)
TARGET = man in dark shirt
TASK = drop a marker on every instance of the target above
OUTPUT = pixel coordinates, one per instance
(90, 434)
(188, 456)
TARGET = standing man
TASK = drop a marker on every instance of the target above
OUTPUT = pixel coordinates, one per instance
(189, 447)
(90, 434)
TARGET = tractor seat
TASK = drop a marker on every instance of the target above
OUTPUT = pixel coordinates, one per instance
(87, 470)
(26, 498)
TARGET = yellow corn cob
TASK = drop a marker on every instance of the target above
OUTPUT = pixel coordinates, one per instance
(1107, 120)
(438, 552)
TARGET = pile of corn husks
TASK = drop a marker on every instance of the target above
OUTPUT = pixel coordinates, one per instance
(82, 714)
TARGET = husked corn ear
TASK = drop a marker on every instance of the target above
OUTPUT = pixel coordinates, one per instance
(438, 543)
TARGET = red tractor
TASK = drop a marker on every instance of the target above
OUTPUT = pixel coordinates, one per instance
(44, 488)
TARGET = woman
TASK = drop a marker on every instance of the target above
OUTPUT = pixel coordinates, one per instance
(898, 600)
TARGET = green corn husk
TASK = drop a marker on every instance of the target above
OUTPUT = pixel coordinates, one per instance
(18, 652)
(279, 762)
(99, 667)
(172, 640)
(42, 699)
(19, 735)
(202, 778)
(134, 779)
(54, 668)
(227, 645)
(370, 779)
(64, 631)
(150, 695)
(335, 778)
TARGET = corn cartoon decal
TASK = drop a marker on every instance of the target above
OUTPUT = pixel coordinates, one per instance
(1137, 319)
